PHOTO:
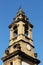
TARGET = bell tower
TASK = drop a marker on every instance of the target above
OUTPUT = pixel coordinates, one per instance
(21, 49)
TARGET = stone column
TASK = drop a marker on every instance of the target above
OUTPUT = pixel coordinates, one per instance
(30, 33)
(20, 30)
(17, 60)
(11, 35)
(6, 63)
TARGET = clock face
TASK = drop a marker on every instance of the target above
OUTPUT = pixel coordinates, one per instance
(28, 47)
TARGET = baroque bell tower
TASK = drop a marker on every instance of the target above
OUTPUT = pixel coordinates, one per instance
(21, 49)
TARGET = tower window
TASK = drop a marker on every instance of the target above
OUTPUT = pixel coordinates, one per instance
(24, 63)
(15, 31)
(11, 63)
(26, 30)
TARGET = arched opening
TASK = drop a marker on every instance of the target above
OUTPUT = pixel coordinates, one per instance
(15, 31)
(26, 30)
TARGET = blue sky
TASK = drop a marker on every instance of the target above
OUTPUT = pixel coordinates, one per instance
(33, 10)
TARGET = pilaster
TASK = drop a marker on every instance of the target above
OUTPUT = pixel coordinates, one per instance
(17, 60)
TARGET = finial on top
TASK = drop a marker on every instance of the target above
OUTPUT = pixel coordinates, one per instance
(20, 10)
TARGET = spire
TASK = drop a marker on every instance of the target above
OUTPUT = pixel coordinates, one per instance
(20, 11)
(21, 17)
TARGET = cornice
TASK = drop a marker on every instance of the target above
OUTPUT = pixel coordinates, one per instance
(22, 55)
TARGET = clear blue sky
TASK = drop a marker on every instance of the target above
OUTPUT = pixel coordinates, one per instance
(34, 11)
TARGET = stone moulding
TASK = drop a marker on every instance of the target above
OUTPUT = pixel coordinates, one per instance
(22, 55)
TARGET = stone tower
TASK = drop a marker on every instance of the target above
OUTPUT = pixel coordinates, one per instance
(21, 49)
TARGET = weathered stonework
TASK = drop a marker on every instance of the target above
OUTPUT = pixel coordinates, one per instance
(21, 48)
